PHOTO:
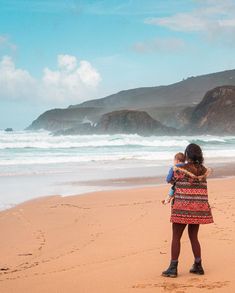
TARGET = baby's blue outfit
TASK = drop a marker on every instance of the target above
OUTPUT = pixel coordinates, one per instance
(169, 178)
(171, 191)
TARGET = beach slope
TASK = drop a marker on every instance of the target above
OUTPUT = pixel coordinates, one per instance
(113, 242)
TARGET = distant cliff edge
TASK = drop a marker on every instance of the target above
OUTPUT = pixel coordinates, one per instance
(215, 114)
(179, 106)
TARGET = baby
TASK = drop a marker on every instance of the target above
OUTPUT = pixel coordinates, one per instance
(179, 160)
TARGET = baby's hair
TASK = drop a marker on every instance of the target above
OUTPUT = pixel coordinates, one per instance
(180, 157)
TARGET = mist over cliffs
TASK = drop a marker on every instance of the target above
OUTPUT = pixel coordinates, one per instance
(203, 104)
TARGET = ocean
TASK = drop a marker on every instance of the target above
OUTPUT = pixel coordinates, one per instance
(34, 164)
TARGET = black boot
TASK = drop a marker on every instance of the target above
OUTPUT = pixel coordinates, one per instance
(172, 270)
(197, 268)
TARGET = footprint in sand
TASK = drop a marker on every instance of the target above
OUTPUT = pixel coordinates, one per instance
(40, 236)
(167, 286)
(213, 285)
(181, 287)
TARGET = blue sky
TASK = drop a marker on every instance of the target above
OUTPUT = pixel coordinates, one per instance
(57, 53)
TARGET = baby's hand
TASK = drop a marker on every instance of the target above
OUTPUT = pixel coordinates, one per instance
(165, 201)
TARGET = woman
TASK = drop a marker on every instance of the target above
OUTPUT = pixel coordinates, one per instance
(190, 207)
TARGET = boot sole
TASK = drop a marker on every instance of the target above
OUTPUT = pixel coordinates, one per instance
(169, 276)
(197, 273)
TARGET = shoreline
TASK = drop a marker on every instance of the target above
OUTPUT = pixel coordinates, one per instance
(119, 239)
(65, 187)
(222, 170)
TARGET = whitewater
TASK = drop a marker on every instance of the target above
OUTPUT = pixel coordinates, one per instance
(22, 148)
(37, 163)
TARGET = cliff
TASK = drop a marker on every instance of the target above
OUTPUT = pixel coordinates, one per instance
(215, 114)
(186, 92)
(164, 103)
(62, 119)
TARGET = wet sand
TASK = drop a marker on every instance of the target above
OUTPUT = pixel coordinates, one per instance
(218, 171)
(113, 241)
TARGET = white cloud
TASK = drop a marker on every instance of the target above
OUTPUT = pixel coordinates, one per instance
(160, 45)
(180, 22)
(213, 19)
(14, 83)
(88, 74)
(227, 23)
(70, 82)
(67, 62)
(5, 43)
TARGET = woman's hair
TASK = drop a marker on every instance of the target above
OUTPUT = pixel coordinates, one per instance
(193, 153)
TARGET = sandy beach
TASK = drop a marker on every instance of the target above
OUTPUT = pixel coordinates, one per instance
(113, 241)
(101, 104)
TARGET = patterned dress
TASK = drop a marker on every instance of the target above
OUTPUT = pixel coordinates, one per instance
(190, 205)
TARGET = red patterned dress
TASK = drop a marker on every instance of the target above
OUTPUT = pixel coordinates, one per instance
(190, 205)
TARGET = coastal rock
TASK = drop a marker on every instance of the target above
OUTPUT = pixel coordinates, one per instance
(127, 121)
(215, 114)
(123, 121)
(9, 129)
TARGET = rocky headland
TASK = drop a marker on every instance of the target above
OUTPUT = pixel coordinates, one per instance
(203, 104)
(215, 114)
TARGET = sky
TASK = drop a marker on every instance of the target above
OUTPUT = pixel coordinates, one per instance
(54, 53)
